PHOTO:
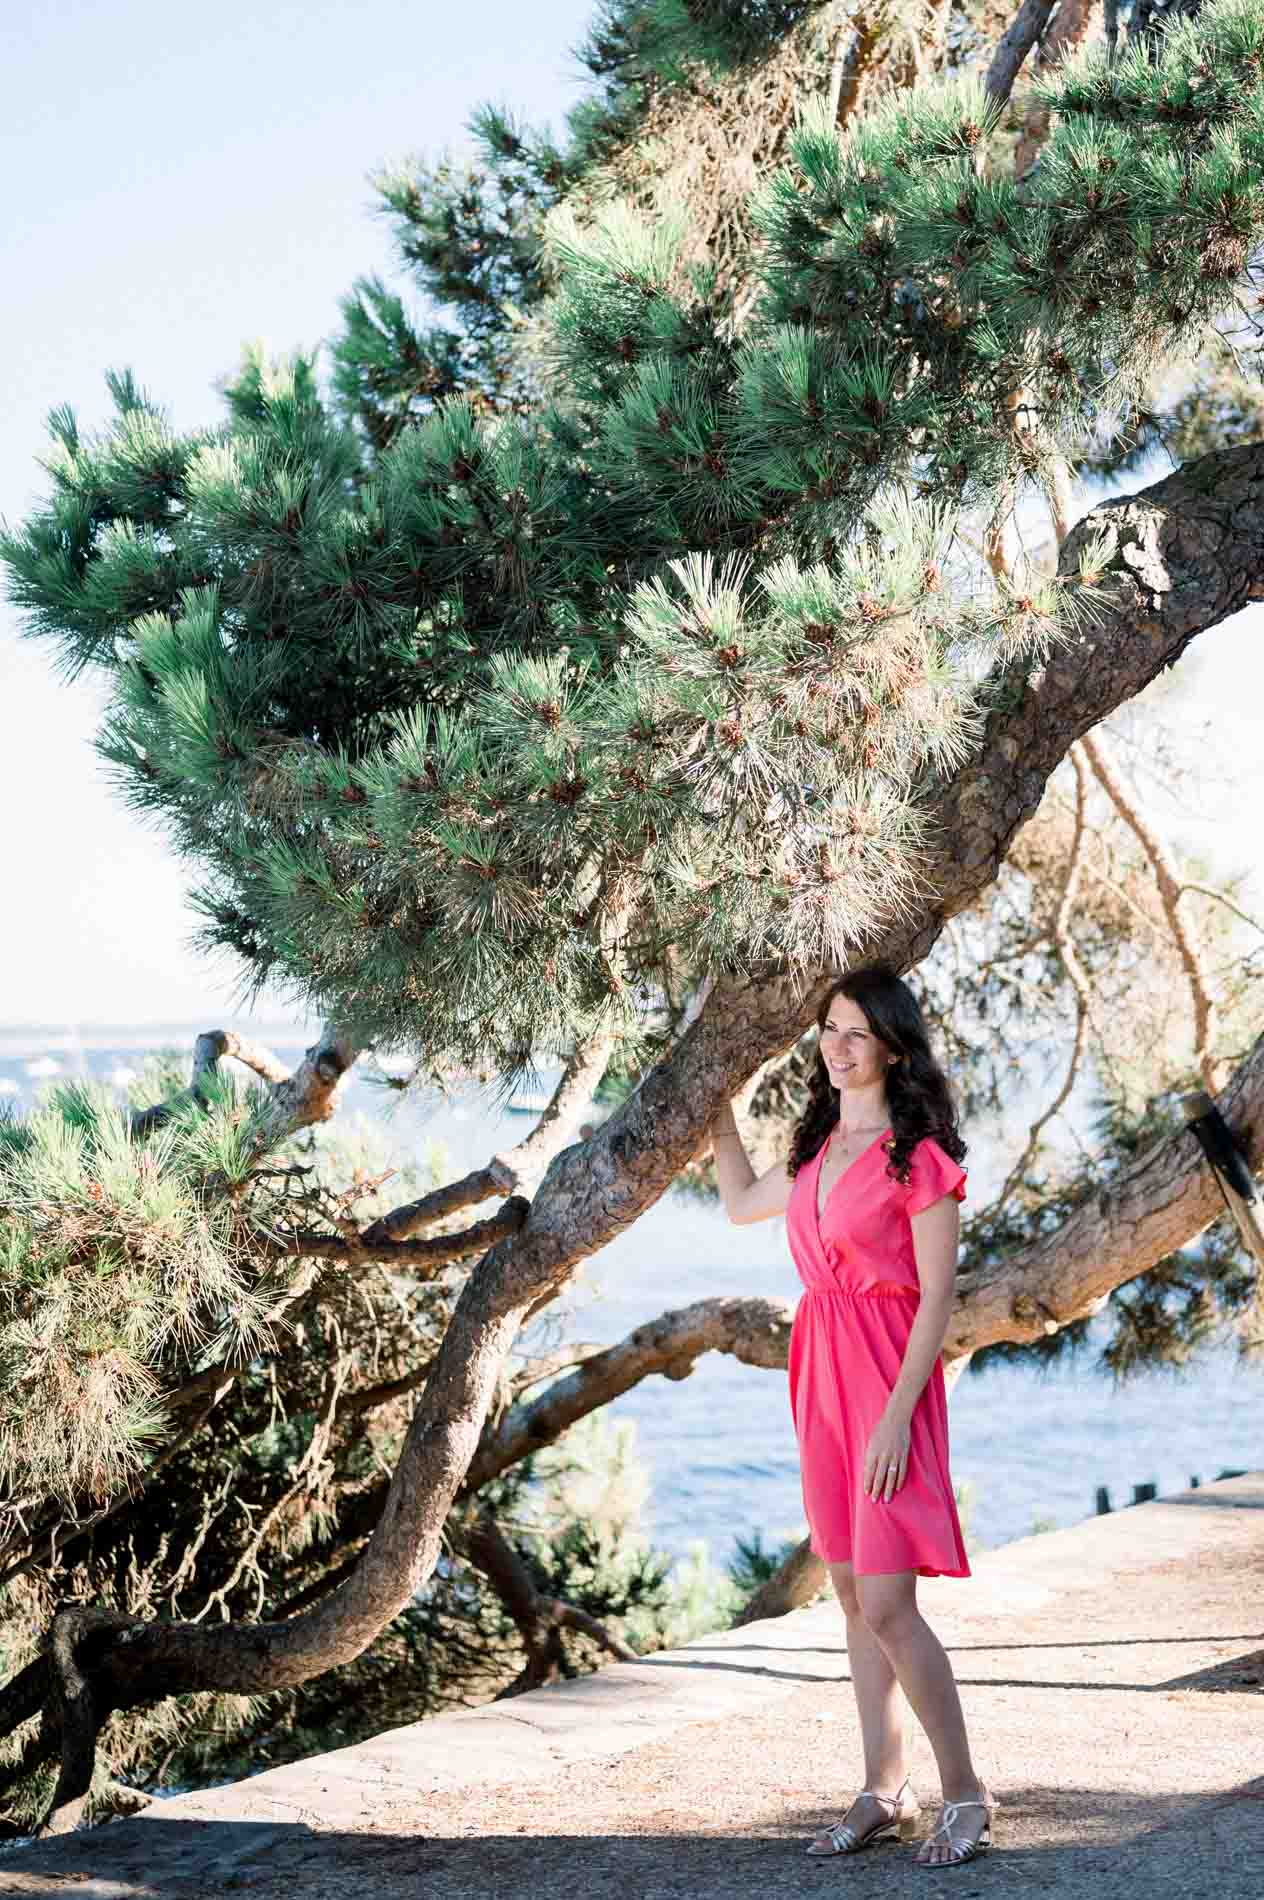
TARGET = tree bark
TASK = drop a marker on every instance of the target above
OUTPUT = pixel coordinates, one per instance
(799, 1580)
(1161, 1202)
(1070, 31)
(1020, 36)
(1175, 560)
(756, 1331)
(296, 1101)
(513, 1169)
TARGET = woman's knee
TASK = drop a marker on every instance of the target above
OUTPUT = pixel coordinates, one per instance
(888, 1604)
(843, 1578)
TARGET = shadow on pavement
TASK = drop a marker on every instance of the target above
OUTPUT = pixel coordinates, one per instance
(1074, 1844)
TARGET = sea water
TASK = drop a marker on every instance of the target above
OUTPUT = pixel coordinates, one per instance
(1031, 1446)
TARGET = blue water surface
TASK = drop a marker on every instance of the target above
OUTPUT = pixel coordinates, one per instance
(1032, 1446)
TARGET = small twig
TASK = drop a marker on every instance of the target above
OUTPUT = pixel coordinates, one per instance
(513, 1167)
(544, 1367)
(317, 1447)
(1169, 883)
(1209, 890)
(1079, 982)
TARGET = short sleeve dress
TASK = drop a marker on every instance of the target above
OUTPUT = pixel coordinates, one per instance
(851, 1326)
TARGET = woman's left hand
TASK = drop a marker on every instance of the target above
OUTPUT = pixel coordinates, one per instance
(886, 1456)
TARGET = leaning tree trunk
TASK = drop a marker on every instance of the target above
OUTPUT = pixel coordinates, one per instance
(1180, 557)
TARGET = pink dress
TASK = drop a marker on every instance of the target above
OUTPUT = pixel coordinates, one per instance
(846, 1349)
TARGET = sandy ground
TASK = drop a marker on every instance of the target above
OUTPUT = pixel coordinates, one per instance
(1113, 1685)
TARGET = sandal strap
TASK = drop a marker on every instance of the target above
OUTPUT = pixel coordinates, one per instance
(891, 1800)
(951, 1809)
(844, 1836)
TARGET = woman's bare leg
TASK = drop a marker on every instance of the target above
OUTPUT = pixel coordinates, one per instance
(920, 1662)
(879, 1699)
(880, 1705)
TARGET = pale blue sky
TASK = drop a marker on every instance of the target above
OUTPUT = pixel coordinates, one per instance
(180, 180)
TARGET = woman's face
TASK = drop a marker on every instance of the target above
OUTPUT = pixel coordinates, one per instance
(854, 1056)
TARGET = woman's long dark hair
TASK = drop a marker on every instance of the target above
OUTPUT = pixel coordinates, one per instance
(919, 1098)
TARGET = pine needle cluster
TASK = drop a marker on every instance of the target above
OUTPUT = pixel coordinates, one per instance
(463, 743)
(117, 1262)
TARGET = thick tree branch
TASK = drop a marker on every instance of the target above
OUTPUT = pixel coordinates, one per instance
(297, 1100)
(796, 1581)
(1020, 36)
(310, 1094)
(1070, 31)
(851, 72)
(1176, 559)
(1160, 1202)
(80, 1717)
(756, 1331)
(539, 1619)
(23, 1696)
(428, 1253)
(440, 1203)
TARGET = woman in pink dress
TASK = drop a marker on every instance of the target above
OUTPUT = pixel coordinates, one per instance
(871, 1194)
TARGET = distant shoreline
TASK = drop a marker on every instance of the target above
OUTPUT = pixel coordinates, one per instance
(47, 1038)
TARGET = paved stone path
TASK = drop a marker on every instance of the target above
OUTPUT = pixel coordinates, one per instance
(1113, 1677)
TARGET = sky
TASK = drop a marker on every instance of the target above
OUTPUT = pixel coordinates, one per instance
(184, 180)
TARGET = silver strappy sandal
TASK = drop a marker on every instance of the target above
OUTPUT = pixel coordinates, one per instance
(959, 1851)
(901, 1825)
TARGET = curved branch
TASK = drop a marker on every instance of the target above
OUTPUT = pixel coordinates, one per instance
(511, 1168)
(539, 1619)
(1162, 1201)
(1176, 559)
(430, 1252)
(298, 1100)
(80, 1719)
(480, 1184)
(756, 1331)
(1166, 876)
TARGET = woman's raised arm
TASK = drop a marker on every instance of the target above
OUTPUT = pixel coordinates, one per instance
(746, 1196)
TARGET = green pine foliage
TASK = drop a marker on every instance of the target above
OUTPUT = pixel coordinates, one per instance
(459, 744)
(116, 1262)
(550, 653)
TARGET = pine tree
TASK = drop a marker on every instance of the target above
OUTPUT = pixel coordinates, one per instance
(493, 711)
